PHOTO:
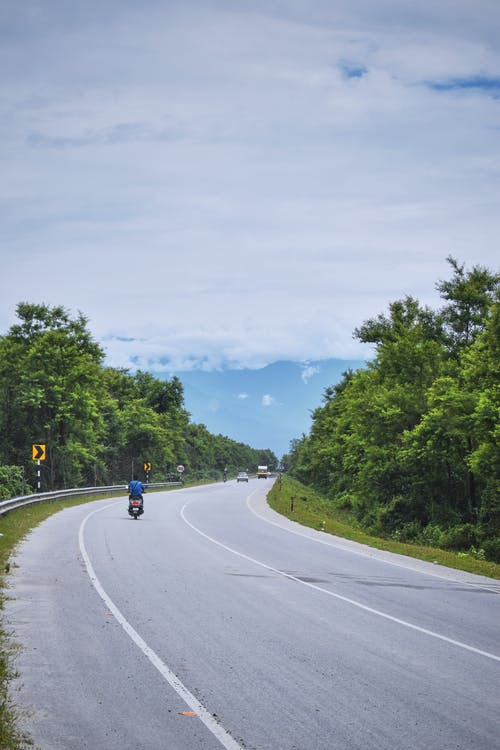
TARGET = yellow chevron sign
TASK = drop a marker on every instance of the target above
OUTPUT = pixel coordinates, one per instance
(38, 452)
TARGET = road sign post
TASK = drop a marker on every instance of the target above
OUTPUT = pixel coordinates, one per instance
(38, 451)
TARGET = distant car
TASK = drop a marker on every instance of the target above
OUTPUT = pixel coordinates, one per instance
(242, 477)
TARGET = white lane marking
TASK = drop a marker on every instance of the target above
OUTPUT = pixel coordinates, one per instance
(346, 599)
(205, 716)
(371, 556)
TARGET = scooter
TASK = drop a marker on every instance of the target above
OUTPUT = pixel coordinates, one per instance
(135, 506)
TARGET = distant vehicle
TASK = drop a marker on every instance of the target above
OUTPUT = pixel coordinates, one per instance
(242, 477)
(262, 472)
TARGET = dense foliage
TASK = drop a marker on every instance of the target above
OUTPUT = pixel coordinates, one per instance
(100, 425)
(409, 445)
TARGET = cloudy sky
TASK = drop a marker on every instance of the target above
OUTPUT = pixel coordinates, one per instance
(221, 184)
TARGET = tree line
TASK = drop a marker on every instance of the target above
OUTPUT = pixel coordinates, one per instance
(408, 446)
(99, 424)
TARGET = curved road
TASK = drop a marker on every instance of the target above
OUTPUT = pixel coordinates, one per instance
(212, 623)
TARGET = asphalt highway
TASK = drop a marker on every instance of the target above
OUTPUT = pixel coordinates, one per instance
(212, 622)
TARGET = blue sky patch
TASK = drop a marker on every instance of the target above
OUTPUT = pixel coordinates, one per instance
(485, 84)
(351, 70)
(265, 408)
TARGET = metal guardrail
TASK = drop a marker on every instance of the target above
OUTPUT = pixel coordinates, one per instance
(25, 500)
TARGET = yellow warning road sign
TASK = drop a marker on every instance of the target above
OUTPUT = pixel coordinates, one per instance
(38, 452)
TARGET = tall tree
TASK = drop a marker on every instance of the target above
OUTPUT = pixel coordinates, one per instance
(412, 439)
(50, 375)
(469, 295)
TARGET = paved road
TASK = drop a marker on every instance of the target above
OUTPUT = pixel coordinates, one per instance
(211, 622)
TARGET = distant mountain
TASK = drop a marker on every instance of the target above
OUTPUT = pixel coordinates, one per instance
(264, 408)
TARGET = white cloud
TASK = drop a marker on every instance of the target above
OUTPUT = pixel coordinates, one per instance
(268, 400)
(243, 396)
(308, 371)
(218, 188)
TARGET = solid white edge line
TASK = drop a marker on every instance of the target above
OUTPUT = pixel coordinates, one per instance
(371, 556)
(346, 599)
(205, 716)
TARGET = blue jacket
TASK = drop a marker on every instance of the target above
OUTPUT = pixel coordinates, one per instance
(135, 487)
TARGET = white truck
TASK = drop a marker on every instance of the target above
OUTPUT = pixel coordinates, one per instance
(262, 472)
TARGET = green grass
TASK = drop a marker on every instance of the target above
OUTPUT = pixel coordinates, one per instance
(313, 510)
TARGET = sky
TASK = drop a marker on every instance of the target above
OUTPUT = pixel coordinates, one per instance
(272, 404)
(222, 185)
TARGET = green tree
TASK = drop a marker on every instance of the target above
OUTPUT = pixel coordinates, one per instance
(469, 296)
(481, 378)
(145, 423)
(412, 439)
(50, 375)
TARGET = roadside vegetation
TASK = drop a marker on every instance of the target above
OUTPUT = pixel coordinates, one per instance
(294, 500)
(99, 424)
(408, 448)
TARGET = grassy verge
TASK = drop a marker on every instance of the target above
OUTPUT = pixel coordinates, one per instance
(301, 504)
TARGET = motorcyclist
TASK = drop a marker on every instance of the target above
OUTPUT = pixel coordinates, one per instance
(136, 490)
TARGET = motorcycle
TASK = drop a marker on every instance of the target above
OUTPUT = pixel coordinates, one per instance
(135, 506)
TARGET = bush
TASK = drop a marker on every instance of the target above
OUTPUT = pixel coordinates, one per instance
(344, 502)
(431, 536)
(492, 549)
(408, 532)
(402, 515)
(11, 482)
(477, 552)
(461, 537)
